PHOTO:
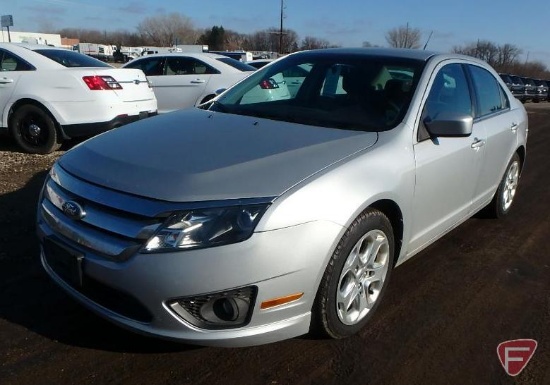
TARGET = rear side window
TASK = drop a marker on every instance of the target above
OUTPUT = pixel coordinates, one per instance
(490, 96)
(176, 65)
(71, 58)
(151, 66)
(10, 62)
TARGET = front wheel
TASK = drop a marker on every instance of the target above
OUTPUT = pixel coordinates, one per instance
(34, 130)
(356, 276)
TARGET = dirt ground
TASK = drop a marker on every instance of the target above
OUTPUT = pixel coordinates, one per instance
(444, 314)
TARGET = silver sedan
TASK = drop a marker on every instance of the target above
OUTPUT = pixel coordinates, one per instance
(253, 220)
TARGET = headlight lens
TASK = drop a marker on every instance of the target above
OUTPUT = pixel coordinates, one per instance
(206, 228)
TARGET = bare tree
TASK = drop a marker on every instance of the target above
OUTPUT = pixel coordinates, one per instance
(502, 57)
(507, 56)
(234, 40)
(166, 30)
(268, 40)
(260, 41)
(404, 37)
(311, 42)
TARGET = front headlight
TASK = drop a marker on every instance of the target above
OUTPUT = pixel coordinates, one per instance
(206, 228)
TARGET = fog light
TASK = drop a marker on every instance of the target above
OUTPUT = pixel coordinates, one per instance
(228, 309)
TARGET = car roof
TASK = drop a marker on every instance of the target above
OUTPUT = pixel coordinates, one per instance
(389, 52)
(197, 55)
(30, 46)
(405, 53)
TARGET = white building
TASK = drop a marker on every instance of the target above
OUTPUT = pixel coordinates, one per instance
(31, 37)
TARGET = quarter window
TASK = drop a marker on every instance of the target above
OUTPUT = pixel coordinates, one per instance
(490, 96)
(9, 62)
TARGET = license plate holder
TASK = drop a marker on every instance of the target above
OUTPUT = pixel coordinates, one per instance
(64, 261)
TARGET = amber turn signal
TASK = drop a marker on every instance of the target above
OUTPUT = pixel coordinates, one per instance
(280, 301)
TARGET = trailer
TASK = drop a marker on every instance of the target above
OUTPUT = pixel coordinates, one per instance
(102, 52)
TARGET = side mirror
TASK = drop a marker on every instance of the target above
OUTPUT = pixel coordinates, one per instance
(449, 124)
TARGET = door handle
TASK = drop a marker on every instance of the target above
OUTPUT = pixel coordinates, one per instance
(514, 127)
(6, 80)
(198, 81)
(478, 143)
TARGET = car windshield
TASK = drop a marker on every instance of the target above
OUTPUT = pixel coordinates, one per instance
(71, 58)
(236, 64)
(355, 92)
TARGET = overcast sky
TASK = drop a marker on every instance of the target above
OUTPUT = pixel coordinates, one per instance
(349, 23)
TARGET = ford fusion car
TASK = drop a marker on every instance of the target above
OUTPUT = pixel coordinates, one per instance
(245, 223)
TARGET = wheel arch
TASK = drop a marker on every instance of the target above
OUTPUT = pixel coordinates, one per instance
(206, 98)
(25, 101)
(392, 210)
(521, 153)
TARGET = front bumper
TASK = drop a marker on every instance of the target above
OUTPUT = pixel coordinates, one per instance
(276, 263)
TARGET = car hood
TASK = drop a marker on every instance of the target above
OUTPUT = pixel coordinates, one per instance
(197, 155)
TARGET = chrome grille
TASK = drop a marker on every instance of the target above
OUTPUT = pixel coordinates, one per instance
(108, 231)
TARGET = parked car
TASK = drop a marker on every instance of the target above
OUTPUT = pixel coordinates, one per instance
(518, 90)
(259, 63)
(52, 94)
(183, 80)
(530, 89)
(242, 224)
(542, 89)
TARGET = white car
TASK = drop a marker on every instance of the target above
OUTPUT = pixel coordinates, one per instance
(50, 94)
(182, 80)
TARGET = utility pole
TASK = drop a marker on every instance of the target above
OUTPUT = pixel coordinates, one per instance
(281, 29)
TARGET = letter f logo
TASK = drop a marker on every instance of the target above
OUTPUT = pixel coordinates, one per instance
(515, 354)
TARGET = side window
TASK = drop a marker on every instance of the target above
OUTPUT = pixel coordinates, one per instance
(150, 66)
(333, 81)
(490, 96)
(449, 94)
(187, 66)
(10, 62)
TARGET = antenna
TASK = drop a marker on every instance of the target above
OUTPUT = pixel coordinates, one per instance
(427, 41)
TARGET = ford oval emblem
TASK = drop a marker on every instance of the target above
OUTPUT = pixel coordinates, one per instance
(73, 210)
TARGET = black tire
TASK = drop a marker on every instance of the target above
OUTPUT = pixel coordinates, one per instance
(329, 316)
(34, 130)
(506, 191)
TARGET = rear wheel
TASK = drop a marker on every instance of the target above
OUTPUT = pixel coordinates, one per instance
(356, 276)
(506, 192)
(34, 130)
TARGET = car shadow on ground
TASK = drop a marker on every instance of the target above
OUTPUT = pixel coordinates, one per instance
(29, 298)
(8, 144)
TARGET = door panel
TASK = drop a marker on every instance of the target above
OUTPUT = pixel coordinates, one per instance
(11, 69)
(447, 168)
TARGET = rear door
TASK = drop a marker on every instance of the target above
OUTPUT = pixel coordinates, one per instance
(11, 69)
(501, 124)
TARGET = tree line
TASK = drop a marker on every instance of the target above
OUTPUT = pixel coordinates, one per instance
(175, 28)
